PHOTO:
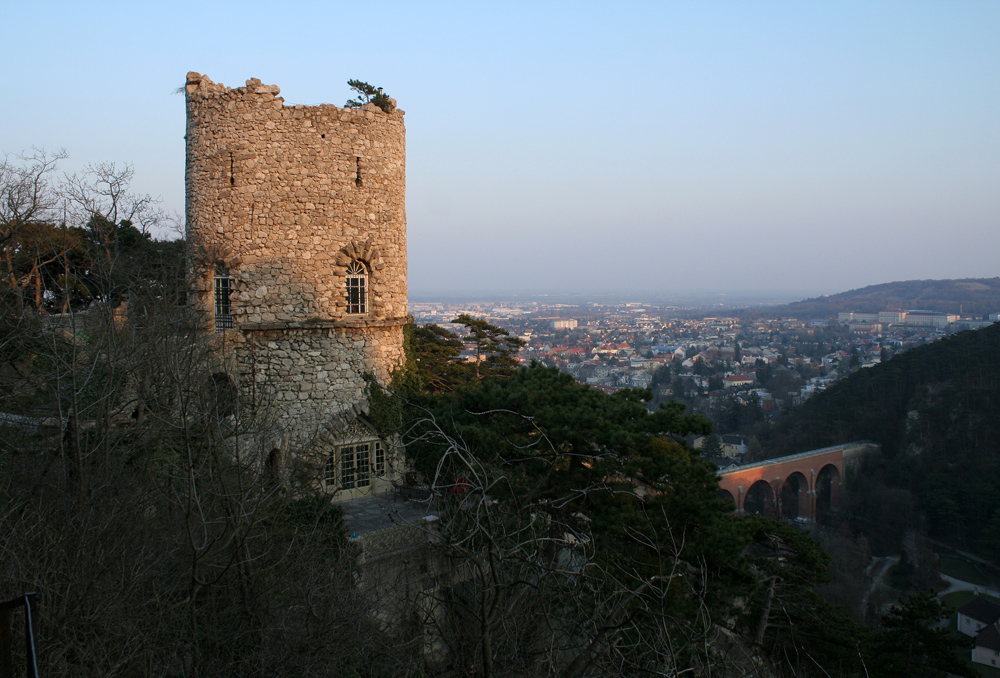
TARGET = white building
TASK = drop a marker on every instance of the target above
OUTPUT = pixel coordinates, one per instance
(929, 319)
(854, 317)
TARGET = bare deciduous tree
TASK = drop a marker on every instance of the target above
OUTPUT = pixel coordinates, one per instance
(104, 191)
(26, 191)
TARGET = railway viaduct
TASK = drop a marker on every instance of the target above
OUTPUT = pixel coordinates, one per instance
(800, 485)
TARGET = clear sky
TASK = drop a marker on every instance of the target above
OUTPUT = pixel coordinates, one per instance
(626, 148)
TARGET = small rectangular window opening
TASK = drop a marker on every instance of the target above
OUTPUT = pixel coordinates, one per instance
(223, 292)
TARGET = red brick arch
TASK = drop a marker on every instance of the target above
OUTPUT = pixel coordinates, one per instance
(804, 470)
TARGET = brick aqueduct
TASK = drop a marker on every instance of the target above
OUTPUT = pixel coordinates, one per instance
(800, 485)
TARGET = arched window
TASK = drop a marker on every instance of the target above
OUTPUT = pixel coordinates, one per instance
(223, 290)
(357, 288)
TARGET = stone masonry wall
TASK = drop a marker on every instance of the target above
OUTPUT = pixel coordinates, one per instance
(311, 376)
(286, 198)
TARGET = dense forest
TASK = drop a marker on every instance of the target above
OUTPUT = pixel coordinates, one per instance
(979, 296)
(935, 410)
(581, 535)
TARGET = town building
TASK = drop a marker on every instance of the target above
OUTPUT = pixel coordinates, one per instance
(733, 446)
(987, 646)
(976, 615)
(564, 324)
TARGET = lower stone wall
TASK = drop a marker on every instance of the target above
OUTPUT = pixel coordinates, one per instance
(306, 377)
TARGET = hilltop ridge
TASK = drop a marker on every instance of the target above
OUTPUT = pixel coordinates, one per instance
(977, 296)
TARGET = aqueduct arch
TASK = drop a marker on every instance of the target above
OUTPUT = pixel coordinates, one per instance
(798, 486)
(727, 496)
(794, 497)
(829, 481)
(760, 498)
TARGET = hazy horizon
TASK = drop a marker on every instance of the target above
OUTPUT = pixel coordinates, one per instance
(686, 299)
(636, 149)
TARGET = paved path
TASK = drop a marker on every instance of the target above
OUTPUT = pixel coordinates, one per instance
(959, 585)
(880, 567)
(877, 577)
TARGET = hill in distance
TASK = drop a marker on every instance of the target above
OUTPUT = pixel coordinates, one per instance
(977, 296)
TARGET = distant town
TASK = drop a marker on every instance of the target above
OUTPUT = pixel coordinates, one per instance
(740, 372)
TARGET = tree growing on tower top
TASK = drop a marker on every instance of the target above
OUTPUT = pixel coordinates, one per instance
(369, 94)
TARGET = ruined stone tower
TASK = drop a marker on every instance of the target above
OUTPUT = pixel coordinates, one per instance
(296, 231)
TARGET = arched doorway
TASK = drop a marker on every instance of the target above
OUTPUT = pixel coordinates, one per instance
(795, 497)
(827, 491)
(355, 460)
(760, 499)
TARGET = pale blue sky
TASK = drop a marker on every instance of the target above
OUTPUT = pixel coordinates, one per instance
(628, 147)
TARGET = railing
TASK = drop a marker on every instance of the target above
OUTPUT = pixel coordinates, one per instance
(27, 601)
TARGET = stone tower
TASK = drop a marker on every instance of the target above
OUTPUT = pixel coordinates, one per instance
(296, 231)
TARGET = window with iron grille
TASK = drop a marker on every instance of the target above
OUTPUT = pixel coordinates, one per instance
(223, 290)
(357, 288)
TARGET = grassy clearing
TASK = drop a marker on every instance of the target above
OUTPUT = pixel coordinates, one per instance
(961, 569)
(955, 600)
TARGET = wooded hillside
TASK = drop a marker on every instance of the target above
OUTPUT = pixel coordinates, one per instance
(936, 411)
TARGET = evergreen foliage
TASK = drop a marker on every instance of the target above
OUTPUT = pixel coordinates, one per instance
(495, 347)
(910, 642)
(369, 94)
(434, 361)
(604, 468)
